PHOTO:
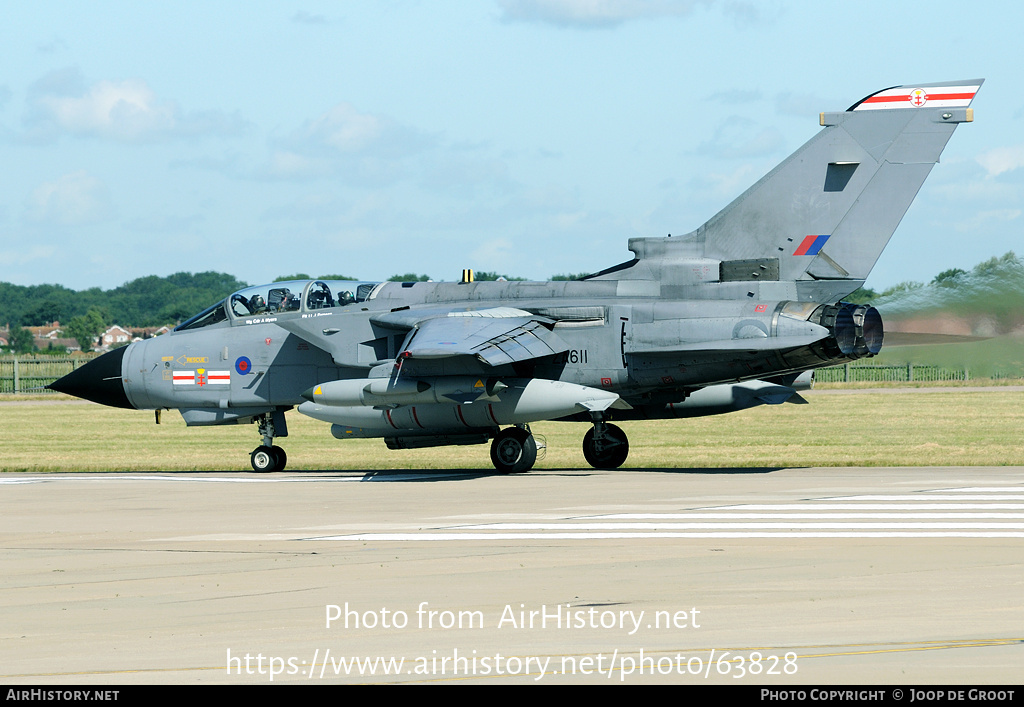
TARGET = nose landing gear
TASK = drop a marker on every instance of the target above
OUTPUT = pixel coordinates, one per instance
(268, 456)
(605, 446)
(267, 459)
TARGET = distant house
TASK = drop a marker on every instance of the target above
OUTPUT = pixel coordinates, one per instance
(141, 333)
(114, 336)
(51, 335)
(43, 337)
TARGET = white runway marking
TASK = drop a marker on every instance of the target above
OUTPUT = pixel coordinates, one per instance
(968, 512)
(1012, 494)
(663, 536)
(964, 513)
(922, 502)
(185, 477)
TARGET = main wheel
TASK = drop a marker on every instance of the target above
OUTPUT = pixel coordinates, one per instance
(610, 452)
(264, 459)
(513, 451)
(280, 458)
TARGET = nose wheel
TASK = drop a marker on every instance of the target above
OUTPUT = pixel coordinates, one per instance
(605, 446)
(268, 456)
(267, 459)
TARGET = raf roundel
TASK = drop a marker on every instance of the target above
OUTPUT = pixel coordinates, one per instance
(243, 365)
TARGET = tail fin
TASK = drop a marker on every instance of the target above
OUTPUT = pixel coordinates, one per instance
(821, 218)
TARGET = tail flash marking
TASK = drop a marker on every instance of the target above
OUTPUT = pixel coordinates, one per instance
(933, 96)
(811, 245)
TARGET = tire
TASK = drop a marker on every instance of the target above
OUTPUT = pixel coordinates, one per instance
(263, 459)
(613, 449)
(513, 451)
(280, 458)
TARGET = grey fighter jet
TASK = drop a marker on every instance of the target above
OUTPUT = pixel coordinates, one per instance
(734, 314)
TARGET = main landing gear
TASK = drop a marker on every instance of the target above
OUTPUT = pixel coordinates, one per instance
(514, 450)
(268, 456)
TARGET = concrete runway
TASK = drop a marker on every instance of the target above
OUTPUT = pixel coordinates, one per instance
(768, 576)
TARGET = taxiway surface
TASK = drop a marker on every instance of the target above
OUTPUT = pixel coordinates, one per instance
(771, 576)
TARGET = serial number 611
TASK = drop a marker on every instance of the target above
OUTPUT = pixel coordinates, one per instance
(571, 356)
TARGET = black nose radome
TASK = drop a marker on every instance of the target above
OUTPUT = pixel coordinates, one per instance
(98, 381)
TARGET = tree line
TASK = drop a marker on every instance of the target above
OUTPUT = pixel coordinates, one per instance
(992, 290)
(995, 287)
(150, 301)
(84, 314)
(146, 301)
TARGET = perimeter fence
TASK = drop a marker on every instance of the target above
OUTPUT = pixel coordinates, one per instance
(29, 374)
(898, 373)
(32, 374)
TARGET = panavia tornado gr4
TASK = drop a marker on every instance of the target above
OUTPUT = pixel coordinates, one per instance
(734, 314)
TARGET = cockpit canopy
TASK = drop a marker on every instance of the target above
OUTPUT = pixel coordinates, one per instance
(281, 297)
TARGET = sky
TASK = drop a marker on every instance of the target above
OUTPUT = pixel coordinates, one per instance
(528, 137)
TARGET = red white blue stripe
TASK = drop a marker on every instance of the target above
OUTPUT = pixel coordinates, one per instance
(810, 245)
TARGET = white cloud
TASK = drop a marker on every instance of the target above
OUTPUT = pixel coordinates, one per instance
(72, 200)
(466, 176)
(593, 13)
(1002, 159)
(345, 142)
(802, 105)
(726, 185)
(495, 251)
(987, 220)
(344, 128)
(127, 110)
(752, 14)
(736, 96)
(742, 138)
(287, 164)
(308, 18)
(17, 257)
(52, 46)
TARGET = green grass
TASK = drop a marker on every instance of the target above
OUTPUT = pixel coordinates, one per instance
(866, 429)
